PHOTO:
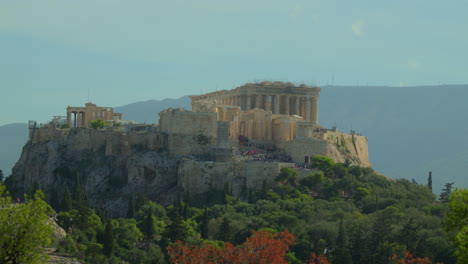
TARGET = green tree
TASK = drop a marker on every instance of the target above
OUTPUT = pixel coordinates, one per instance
(148, 227)
(108, 240)
(429, 181)
(204, 224)
(313, 180)
(24, 229)
(342, 252)
(224, 233)
(67, 203)
(99, 124)
(456, 223)
(445, 194)
(361, 193)
(65, 126)
(323, 163)
(288, 176)
(1, 176)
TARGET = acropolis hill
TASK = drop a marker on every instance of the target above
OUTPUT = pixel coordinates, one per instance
(240, 137)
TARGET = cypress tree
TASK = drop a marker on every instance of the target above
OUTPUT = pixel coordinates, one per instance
(148, 227)
(444, 195)
(224, 233)
(176, 229)
(80, 197)
(67, 203)
(108, 240)
(342, 253)
(1, 176)
(429, 181)
(204, 224)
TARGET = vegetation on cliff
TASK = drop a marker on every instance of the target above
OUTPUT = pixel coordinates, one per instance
(24, 229)
(342, 214)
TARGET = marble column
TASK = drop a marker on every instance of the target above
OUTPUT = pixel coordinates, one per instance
(268, 103)
(263, 100)
(258, 101)
(297, 102)
(69, 119)
(83, 119)
(255, 101)
(286, 104)
(277, 104)
(314, 110)
(307, 109)
(248, 100)
(75, 119)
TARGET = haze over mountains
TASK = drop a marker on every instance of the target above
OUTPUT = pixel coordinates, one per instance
(411, 130)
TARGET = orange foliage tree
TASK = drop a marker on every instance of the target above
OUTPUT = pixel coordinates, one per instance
(263, 247)
(409, 259)
(317, 259)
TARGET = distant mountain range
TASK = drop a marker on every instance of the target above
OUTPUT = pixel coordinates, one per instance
(411, 130)
(12, 139)
(147, 111)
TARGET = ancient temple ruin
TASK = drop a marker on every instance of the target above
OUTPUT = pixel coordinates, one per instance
(83, 116)
(268, 112)
(277, 97)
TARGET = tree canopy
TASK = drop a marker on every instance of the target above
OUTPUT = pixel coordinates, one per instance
(24, 229)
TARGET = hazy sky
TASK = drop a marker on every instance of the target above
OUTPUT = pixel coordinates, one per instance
(55, 53)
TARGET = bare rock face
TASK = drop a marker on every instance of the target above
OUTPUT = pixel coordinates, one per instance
(113, 167)
(110, 166)
(59, 232)
(54, 259)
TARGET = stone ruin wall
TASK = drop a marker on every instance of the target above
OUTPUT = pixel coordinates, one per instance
(301, 148)
(188, 132)
(113, 141)
(200, 176)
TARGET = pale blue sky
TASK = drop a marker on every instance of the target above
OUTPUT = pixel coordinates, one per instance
(54, 52)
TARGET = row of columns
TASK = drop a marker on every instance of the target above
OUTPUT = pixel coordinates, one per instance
(78, 118)
(304, 106)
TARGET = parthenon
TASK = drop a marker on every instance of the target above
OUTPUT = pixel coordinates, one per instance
(277, 97)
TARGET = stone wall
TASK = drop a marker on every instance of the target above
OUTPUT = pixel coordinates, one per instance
(200, 176)
(302, 150)
(183, 122)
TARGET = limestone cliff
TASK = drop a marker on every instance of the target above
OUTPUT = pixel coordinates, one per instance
(342, 147)
(111, 166)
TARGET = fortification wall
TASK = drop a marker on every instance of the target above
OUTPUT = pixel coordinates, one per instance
(183, 122)
(201, 176)
(113, 141)
(302, 149)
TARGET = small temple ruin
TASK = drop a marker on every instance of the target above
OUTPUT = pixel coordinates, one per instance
(83, 116)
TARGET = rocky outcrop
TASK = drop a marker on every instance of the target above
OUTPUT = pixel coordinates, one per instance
(55, 259)
(111, 166)
(345, 147)
(114, 167)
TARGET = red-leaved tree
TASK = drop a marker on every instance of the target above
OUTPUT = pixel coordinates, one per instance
(317, 259)
(263, 247)
(409, 259)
